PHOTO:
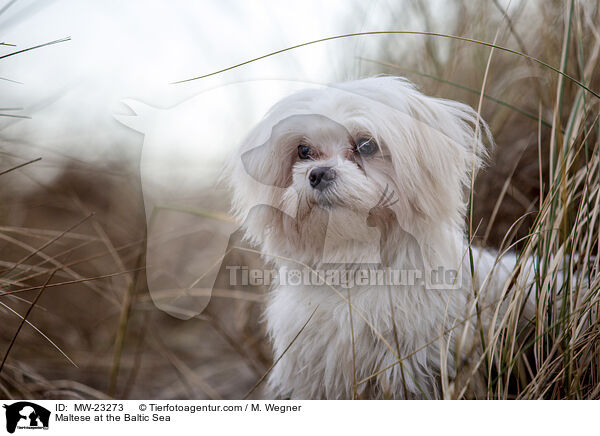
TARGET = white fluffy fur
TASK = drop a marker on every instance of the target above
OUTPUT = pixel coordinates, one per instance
(428, 151)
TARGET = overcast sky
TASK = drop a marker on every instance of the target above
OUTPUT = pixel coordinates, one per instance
(134, 50)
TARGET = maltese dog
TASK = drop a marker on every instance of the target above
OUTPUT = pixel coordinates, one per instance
(357, 194)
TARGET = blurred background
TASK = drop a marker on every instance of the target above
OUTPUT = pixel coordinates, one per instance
(94, 129)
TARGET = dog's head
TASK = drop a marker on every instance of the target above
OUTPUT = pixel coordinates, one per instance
(324, 160)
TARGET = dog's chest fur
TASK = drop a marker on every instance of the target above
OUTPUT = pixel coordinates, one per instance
(322, 361)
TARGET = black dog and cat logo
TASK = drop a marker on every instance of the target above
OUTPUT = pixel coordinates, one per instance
(26, 415)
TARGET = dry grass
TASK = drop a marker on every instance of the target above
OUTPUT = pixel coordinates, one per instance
(540, 196)
(72, 252)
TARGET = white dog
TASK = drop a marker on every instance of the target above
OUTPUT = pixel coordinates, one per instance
(349, 181)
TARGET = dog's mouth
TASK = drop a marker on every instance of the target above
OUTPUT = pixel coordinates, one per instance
(327, 199)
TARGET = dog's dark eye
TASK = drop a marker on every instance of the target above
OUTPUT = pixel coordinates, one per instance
(304, 152)
(366, 146)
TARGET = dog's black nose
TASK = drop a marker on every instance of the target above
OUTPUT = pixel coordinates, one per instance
(321, 177)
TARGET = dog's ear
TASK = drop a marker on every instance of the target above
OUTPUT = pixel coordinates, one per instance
(435, 145)
(271, 162)
(254, 175)
(257, 163)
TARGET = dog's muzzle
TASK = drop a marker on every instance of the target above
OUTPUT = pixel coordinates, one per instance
(321, 177)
